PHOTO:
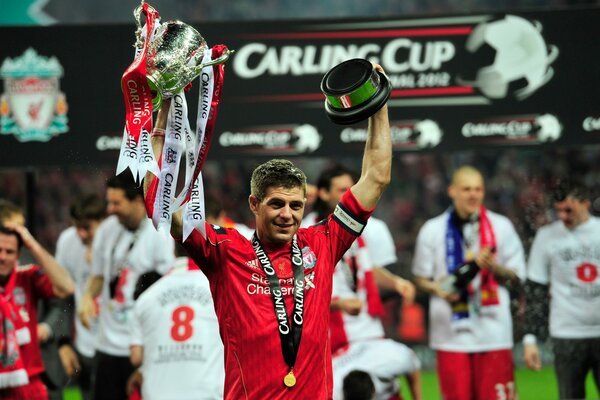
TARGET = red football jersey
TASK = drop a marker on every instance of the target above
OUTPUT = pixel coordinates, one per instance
(254, 363)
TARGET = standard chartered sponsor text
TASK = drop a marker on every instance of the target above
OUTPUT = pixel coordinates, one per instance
(260, 285)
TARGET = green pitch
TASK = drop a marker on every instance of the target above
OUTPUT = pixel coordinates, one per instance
(530, 386)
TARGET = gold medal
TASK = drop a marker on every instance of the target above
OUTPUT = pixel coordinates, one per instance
(289, 380)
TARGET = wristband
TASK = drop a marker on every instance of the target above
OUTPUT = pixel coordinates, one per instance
(63, 340)
(528, 339)
(158, 132)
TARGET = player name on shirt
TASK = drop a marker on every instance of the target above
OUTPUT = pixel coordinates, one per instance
(584, 292)
(579, 252)
(187, 293)
(179, 352)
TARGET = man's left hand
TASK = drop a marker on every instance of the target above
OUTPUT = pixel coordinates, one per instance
(26, 236)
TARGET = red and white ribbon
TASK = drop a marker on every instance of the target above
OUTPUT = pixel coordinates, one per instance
(138, 105)
(160, 204)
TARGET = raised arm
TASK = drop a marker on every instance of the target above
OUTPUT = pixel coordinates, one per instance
(158, 140)
(377, 159)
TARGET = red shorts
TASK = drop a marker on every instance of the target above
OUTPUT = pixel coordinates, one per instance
(476, 376)
(34, 390)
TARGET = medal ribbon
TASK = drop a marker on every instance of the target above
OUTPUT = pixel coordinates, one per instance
(455, 258)
(173, 148)
(138, 100)
(290, 337)
(489, 285)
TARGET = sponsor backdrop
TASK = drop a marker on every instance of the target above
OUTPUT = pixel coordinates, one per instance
(459, 82)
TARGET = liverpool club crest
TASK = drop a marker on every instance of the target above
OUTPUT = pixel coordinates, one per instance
(32, 106)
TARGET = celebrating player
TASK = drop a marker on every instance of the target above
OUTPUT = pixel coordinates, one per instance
(357, 334)
(125, 246)
(565, 255)
(272, 293)
(471, 328)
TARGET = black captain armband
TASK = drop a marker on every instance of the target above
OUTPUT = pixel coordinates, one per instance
(348, 220)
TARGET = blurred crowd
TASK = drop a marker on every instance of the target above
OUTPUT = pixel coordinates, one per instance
(516, 180)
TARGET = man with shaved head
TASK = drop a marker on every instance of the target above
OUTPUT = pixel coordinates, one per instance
(463, 259)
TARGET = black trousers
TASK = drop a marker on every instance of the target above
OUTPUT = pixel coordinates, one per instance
(573, 359)
(112, 373)
(85, 378)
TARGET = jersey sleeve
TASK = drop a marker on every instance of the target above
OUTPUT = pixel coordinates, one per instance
(62, 251)
(41, 283)
(513, 255)
(205, 251)
(380, 243)
(346, 223)
(424, 258)
(538, 265)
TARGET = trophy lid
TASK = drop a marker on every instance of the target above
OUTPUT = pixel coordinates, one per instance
(354, 91)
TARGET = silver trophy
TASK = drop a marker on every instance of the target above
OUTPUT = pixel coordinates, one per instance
(174, 57)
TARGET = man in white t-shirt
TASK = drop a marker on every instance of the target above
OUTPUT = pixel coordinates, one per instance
(125, 247)
(565, 256)
(74, 253)
(175, 337)
(470, 328)
(356, 330)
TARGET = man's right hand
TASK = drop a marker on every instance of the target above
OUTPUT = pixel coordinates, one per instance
(531, 356)
(448, 296)
(87, 310)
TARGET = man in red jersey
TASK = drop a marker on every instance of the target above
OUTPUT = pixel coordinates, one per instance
(22, 287)
(272, 293)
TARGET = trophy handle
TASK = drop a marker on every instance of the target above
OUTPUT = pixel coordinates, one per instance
(137, 15)
(224, 57)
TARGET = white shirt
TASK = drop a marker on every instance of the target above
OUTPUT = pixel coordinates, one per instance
(175, 322)
(487, 328)
(70, 253)
(363, 325)
(133, 253)
(376, 235)
(384, 359)
(244, 231)
(569, 261)
(379, 243)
